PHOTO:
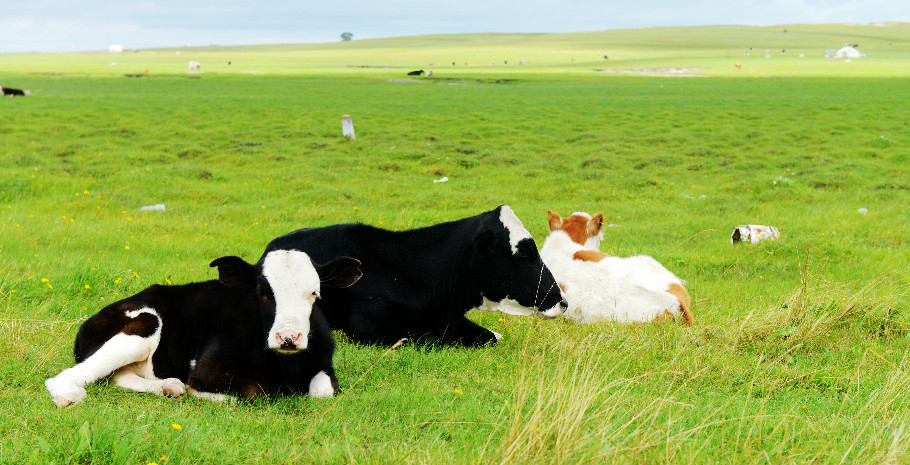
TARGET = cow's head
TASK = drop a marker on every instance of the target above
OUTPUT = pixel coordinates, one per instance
(513, 277)
(581, 227)
(287, 284)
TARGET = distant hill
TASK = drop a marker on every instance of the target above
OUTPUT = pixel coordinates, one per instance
(785, 50)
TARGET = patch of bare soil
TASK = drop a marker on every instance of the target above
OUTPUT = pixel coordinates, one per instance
(678, 72)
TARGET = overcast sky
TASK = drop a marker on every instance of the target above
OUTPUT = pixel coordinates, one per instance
(63, 25)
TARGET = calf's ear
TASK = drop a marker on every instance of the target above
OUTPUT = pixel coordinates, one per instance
(340, 272)
(235, 272)
(554, 220)
(595, 224)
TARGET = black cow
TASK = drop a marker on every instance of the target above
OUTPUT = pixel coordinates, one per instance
(416, 73)
(420, 283)
(255, 331)
(12, 92)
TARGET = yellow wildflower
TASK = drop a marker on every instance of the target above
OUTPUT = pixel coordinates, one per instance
(176, 426)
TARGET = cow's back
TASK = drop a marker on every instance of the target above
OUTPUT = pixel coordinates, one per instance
(324, 243)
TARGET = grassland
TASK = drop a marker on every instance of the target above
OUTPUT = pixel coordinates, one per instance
(800, 349)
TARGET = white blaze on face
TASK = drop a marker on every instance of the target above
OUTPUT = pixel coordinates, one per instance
(295, 285)
(516, 229)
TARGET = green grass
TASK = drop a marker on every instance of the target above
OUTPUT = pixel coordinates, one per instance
(799, 351)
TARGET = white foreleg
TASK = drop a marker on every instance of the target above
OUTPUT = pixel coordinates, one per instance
(68, 387)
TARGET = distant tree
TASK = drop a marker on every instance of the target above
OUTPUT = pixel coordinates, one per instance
(346, 36)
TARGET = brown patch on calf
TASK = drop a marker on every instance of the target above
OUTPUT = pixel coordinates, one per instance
(112, 320)
(685, 302)
(562, 286)
(576, 227)
(143, 325)
(589, 255)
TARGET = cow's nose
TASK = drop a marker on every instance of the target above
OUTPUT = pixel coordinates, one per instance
(563, 304)
(288, 339)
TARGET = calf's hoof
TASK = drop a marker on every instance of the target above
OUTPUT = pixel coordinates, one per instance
(173, 387)
(69, 398)
(63, 395)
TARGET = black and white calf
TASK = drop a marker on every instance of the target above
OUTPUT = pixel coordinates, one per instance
(420, 283)
(255, 331)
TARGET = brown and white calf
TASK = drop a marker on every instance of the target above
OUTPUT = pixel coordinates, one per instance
(255, 331)
(600, 287)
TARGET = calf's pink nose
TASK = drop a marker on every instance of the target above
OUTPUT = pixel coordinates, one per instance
(288, 339)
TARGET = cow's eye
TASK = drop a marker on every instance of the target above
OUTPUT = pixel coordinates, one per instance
(315, 294)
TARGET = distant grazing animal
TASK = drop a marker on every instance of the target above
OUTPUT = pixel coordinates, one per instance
(420, 283)
(194, 67)
(416, 73)
(13, 92)
(255, 331)
(604, 288)
(738, 65)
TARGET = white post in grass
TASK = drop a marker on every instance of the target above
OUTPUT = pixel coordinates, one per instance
(347, 126)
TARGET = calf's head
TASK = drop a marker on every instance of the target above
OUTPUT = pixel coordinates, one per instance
(513, 277)
(581, 227)
(287, 284)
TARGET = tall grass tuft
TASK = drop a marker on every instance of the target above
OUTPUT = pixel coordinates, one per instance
(551, 409)
(816, 309)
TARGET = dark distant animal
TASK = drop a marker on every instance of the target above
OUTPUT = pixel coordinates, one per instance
(416, 73)
(13, 92)
(255, 331)
(420, 283)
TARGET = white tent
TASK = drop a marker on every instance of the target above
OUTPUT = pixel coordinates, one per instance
(115, 49)
(849, 52)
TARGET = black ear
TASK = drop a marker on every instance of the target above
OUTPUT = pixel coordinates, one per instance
(485, 241)
(235, 272)
(340, 272)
